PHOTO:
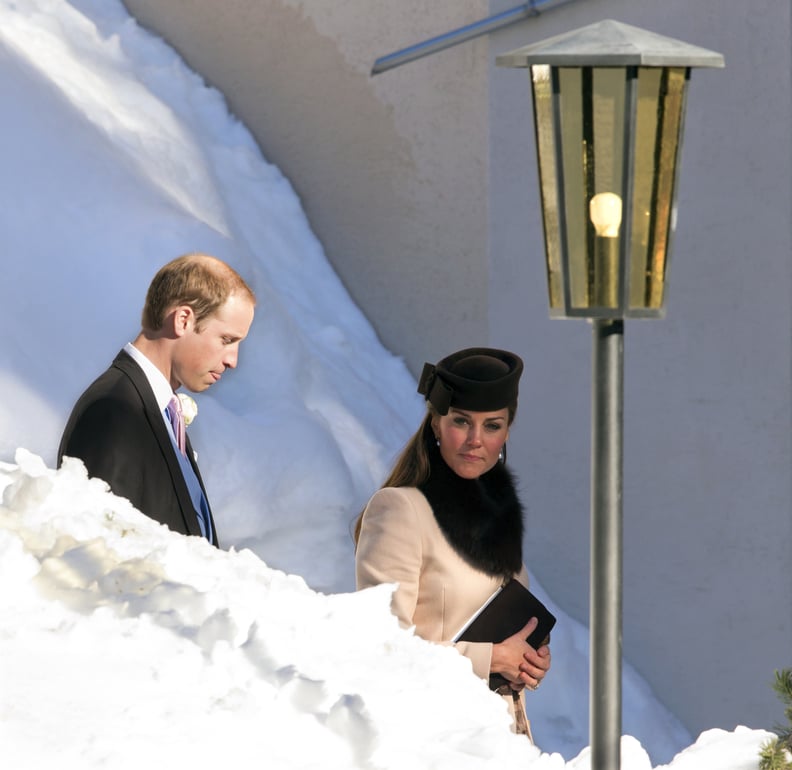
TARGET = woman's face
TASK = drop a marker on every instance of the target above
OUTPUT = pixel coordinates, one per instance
(470, 442)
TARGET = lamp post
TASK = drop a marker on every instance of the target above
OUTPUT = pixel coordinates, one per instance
(609, 102)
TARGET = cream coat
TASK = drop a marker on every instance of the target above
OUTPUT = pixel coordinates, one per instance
(438, 591)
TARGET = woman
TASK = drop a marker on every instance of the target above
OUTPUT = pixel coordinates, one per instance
(447, 524)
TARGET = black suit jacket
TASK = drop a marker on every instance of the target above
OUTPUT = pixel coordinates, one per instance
(118, 431)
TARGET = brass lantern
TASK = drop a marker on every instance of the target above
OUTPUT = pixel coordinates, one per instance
(609, 104)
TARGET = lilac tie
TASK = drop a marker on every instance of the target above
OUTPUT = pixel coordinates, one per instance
(177, 422)
(197, 496)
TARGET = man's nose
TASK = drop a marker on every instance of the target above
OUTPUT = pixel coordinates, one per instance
(230, 358)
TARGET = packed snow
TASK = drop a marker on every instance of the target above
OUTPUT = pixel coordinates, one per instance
(125, 645)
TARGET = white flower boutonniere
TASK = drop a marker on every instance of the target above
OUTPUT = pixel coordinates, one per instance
(189, 408)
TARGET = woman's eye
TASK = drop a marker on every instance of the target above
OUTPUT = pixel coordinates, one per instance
(493, 427)
(460, 421)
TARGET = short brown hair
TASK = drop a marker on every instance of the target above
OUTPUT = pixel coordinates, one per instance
(203, 282)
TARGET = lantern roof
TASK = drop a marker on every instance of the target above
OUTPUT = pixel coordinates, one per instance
(610, 43)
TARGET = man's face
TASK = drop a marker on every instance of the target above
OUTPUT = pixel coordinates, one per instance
(201, 357)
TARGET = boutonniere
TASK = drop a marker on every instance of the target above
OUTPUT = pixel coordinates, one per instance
(189, 408)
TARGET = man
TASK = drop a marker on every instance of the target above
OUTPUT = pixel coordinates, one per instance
(125, 427)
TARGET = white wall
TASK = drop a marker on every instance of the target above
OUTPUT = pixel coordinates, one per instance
(421, 185)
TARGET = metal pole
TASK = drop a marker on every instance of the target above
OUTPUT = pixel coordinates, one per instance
(606, 545)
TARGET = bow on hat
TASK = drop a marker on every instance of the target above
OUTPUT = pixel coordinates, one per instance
(437, 393)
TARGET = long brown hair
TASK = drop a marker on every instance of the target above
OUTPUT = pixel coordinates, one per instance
(412, 467)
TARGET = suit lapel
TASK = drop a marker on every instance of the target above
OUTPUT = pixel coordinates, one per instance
(156, 422)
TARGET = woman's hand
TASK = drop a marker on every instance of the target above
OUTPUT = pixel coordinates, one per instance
(536, 664)
(518, 662)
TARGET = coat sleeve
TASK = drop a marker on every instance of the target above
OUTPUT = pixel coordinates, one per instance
(107, 437)
(480, 656)
(389, 550)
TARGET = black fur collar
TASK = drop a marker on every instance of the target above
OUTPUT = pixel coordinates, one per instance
(482, 518)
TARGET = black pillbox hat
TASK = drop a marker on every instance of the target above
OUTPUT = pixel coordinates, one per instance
(478, 379)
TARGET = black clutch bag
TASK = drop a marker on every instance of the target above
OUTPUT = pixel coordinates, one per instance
(503, 615)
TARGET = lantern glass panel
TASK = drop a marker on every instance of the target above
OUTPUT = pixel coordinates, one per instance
(592, 127)
(659, 110)
(548, 183)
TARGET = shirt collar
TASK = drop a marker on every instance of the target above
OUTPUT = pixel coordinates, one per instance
(163, 392)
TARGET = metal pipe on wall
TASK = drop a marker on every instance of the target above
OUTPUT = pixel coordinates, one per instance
(462, 34)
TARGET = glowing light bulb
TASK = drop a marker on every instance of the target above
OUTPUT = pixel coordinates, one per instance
(605, 211)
